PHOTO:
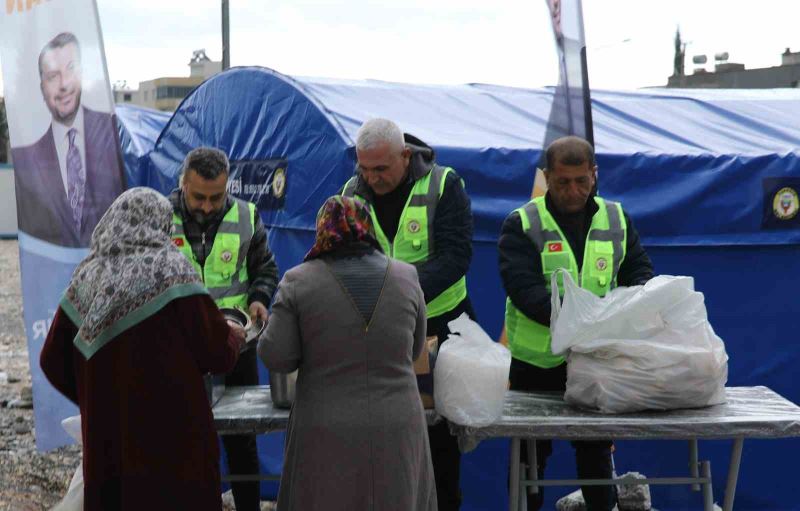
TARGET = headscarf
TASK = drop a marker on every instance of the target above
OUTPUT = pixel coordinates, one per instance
(132, 270)
(342, 221)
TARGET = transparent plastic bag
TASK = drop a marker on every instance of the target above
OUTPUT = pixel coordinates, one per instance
(73, 500)
(639, 347)
(471, 375)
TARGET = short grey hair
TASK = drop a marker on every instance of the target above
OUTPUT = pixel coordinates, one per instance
(377, 131)
(208, 162)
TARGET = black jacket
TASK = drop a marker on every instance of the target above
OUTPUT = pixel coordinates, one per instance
(452, 228)
(261, 267)
(521, 264)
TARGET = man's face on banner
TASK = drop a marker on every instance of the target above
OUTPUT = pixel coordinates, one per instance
(61, 82)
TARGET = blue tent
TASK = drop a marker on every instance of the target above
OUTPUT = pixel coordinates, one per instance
(702, 173)
(138, 129)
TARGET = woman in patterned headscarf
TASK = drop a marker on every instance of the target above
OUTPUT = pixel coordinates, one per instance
(351, 320)
(129, 344)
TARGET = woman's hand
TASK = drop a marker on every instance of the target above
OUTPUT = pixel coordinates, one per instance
(238, 333)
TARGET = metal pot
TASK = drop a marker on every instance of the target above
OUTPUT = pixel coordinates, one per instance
(282, 388)
(215, 383)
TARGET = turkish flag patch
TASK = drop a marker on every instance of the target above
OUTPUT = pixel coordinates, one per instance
(178, 242)
(555, 247)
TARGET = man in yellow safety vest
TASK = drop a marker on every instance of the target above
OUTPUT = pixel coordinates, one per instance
(570, 227)
(226, 242)
(422, 215)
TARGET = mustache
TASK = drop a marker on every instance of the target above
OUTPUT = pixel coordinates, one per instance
(202, 217)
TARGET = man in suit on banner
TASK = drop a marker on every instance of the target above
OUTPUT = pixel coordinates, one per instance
(66, 180)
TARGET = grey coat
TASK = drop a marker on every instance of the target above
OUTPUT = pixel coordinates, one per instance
(357, 437)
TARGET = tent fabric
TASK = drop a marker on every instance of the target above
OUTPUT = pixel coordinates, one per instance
(696, 170)
(718, 145)
(138, 130)
(659, 151)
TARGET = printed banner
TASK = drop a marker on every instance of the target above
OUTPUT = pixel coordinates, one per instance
(262, 182)
(571, 112)
(67, 163)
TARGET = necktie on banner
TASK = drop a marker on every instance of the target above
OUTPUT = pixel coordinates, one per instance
(76, 179)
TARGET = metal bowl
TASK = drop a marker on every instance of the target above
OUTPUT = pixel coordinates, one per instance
(252, 329)
(256, 329)
(237, 316)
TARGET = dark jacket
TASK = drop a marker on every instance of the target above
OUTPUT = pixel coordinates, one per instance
(452, 228)
(261, 267)
(521, 264)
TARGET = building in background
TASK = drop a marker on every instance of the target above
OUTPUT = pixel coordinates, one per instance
(729, 75)
(167, 92)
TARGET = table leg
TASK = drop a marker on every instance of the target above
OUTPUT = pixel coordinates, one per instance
(533, 466)
(733, 473)
(693, 467)
(513, 477)
(708, 490)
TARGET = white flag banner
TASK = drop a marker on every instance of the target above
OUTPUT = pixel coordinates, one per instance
(571, 109)
(571, 112)
(66, 158)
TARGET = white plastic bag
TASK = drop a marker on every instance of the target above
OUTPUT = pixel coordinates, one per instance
(471, 375)
(73, 500)
(639, 347)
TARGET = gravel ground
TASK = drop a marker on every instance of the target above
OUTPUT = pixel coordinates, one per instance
(29, 480)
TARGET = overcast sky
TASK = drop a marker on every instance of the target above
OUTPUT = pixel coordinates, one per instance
(507, 42)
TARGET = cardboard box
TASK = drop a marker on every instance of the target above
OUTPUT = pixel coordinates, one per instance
(422, 367)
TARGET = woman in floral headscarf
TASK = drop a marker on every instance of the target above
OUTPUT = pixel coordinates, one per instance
(129, 344)
(351, 320)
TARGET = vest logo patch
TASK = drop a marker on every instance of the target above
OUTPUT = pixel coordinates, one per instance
(413, 227)
(601, 264)
(555, 247)
(226, 256)
(785, 203)
(178, 242)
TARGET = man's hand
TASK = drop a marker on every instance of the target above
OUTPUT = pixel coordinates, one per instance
(238, 333)
(258, 311)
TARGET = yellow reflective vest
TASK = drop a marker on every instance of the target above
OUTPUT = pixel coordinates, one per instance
(225, 269)
(603, 254)
(414, 241)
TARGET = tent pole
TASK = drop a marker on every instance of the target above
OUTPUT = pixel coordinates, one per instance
(226, 37)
